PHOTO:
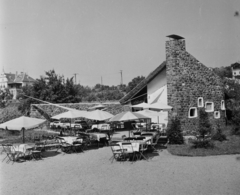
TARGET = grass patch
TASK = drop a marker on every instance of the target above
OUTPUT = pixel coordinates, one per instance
(230, 146)
(15, 137)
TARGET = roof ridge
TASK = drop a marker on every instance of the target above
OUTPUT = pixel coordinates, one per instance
(143, 83)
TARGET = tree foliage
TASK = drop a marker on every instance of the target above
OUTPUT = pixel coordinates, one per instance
(5, 98)
(223, 71)
(174, 132)
(204, 126)
(135, 81)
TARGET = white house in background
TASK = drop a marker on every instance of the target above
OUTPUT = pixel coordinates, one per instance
(14, 82)
(236, 70)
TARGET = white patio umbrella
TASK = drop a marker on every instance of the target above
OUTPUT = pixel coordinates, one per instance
(162, 117)
(128, 116)
(71, 114)
(98, 115)
(22, 123)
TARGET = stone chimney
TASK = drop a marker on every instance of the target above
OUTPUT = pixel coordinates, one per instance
(174, 45)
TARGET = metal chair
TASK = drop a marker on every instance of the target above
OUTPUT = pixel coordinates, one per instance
(117, 153)
(128, 151)
(11, 154)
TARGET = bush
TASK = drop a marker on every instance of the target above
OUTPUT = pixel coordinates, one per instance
(204, 127)
(207, 144)
(174, 132)
(219, 136)
(235, 131)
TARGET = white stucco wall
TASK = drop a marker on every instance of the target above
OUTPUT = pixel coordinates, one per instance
(155, 87)
(235, 72)
(3, 81)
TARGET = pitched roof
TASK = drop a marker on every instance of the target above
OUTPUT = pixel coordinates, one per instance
(236, 65)
(18, 78)
(23, 77)
(143, 83)
(10, 77)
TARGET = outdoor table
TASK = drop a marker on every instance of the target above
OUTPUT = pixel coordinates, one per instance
(136, 143)
(103, 126)
(70, 139)
(97, 136)
(23, 149)
(154, 133)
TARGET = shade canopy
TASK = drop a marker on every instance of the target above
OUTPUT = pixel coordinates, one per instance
(100, 106)
(158, 117)
(128, 116)
(22, 122)
(154, 106)
(160, 106)
(71, 114)
(141, 105)
(98, 115)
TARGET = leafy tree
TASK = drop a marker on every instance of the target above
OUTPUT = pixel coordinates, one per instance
(134, 83)
(223, 71)
(174, 132)
(5, 98)
(8, 113)
(232, 89)
(204, 126)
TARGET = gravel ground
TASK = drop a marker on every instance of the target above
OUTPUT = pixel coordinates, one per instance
(92, 172)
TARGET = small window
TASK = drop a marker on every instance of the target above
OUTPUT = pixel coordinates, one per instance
(234, 72)
(192, 113)
(200, 102)
(222, 105)
(209, 107)
(216, 114)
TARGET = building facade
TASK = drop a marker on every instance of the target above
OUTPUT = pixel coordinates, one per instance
(185, 84)
(236, 70)
(14, 82)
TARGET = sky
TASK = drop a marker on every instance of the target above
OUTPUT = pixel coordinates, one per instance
(96, 39)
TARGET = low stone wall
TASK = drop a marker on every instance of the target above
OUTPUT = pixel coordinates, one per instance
(52, 110)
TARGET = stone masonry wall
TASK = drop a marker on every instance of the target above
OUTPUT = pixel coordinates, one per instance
(187, 80)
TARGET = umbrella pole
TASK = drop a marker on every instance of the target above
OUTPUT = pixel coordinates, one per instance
(23, 135)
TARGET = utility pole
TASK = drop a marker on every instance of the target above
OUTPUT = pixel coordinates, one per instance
(121, 77)
(75, 75)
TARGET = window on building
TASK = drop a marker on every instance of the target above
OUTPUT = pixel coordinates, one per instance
(222, 105)
(216, 114)
(200, 102)
(209, 107)
(234, 72)
(192, 113)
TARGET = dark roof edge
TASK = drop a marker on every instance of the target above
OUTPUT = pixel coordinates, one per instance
(142, 84)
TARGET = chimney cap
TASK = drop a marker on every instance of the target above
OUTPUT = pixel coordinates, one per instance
(177, 37)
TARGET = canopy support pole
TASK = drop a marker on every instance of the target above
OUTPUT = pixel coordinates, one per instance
(23, 135)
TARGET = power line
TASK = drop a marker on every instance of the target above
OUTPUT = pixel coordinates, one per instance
(121, 78)
(75, 75)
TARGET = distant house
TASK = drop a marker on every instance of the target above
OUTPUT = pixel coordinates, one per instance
(236, 70)
(14, 82)
(184, 83)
